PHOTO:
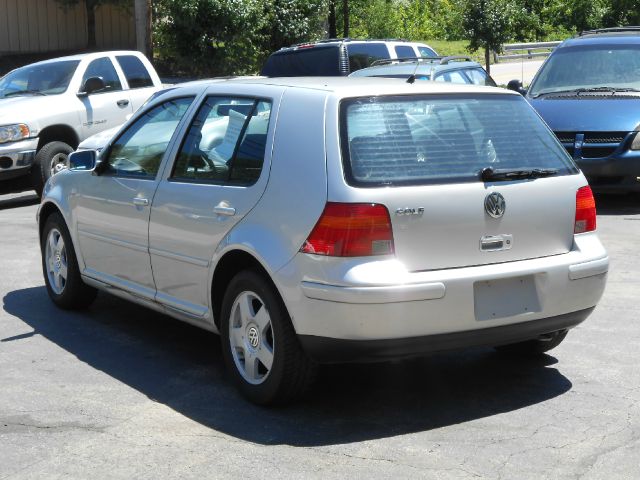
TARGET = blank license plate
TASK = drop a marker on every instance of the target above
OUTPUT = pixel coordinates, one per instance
(505, 297)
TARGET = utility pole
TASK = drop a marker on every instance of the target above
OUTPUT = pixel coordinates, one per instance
(143, 27)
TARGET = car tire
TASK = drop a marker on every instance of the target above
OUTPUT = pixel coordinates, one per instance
(255, 326)
(52, 158)
(534, 347)
(60, 267)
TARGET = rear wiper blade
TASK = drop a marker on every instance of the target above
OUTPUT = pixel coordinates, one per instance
(488, 174)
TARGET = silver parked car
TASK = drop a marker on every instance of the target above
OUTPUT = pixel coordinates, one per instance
(331, 220)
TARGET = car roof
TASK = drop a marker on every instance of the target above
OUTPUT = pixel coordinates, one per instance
(338, 41)
(88, 56)
(598, 37)
(345, 86)
(409, 68)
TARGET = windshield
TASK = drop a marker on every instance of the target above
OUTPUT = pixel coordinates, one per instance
(39, 79)
(414, 140)
(592, 66)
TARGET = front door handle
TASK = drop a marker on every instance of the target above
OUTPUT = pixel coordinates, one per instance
(122, 103)
(223, 208)
(141, 202)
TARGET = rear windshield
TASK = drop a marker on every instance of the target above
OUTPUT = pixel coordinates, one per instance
(414, 140)
(311, 61)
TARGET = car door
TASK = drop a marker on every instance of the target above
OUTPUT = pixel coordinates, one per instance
(113, 205)
(218, 175)
(139, 79)
(107, 108)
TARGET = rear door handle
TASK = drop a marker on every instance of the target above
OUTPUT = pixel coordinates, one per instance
(122, 103)
(141, 202)
(223, 208)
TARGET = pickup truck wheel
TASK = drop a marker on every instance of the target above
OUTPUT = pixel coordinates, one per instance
(52, 158)
(60, 267)
(259, 345)
(534, 347)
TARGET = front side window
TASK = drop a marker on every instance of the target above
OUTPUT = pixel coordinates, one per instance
(225, 143)
(40, 79)
(585, 67)
(103, 68)
(443, 139)
(134, 71)
(479, 77)
(451, 77)
(139, 150)
(426, 52)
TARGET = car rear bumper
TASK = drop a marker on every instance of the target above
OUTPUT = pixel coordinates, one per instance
(334, 350)
(349, 305)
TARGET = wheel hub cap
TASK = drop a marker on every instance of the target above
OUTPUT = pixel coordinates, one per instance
(253, 335)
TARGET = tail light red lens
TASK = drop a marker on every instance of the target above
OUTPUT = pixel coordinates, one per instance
(585, 211)
(351, 230)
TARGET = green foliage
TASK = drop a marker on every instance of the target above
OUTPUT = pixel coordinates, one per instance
(223, 37)
(489, 24)
(230, 37)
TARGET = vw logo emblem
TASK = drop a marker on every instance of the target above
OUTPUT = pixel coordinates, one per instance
(495, 205)
(254, 337)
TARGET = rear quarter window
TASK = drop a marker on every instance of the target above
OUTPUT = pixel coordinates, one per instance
(134, 71)
(413, 140)
(362, 55)
(312, 61)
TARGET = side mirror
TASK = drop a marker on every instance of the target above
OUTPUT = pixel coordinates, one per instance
(516, 86)
(83, 160)
(92, 85)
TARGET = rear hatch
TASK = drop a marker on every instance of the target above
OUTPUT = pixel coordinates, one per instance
(422, 156)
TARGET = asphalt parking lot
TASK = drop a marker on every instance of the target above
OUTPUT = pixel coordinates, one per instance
(122, 392)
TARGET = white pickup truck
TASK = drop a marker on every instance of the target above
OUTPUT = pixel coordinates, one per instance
(48, 108)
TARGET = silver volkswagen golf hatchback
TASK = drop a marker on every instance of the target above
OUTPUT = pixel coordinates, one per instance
(315, 220)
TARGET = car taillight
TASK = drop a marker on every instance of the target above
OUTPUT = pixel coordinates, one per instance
(351, 230)
(585, 211)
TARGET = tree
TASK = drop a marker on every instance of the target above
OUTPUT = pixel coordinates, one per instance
(91, 6)
(143, 27)
(488, 25)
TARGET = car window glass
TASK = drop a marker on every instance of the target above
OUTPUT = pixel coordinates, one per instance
(426, 52)
(453, 77)
(323, 60)
(421, 139)
(362, 55)
(479, 77)
(139, 150)
(404, 51)
(134, 71)
(103, 68)
(225, 143)
(46, 78)
(589, 66)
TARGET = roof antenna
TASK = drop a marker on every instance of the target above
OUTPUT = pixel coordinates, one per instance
(412, 77)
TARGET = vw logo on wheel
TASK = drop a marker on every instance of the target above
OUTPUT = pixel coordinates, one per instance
(254, 337)
(495, 205)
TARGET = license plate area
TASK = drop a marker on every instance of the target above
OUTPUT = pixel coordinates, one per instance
(505, 297)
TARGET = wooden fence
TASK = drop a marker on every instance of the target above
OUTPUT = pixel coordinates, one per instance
(34, 26)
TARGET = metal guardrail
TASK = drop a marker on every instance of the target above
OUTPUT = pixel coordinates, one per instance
(536, 49)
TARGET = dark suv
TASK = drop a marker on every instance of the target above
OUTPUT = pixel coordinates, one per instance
(338, 57)
(588, 92)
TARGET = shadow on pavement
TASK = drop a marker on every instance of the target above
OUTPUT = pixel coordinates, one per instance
(181, 367)
(19, 201)
(612, 204)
